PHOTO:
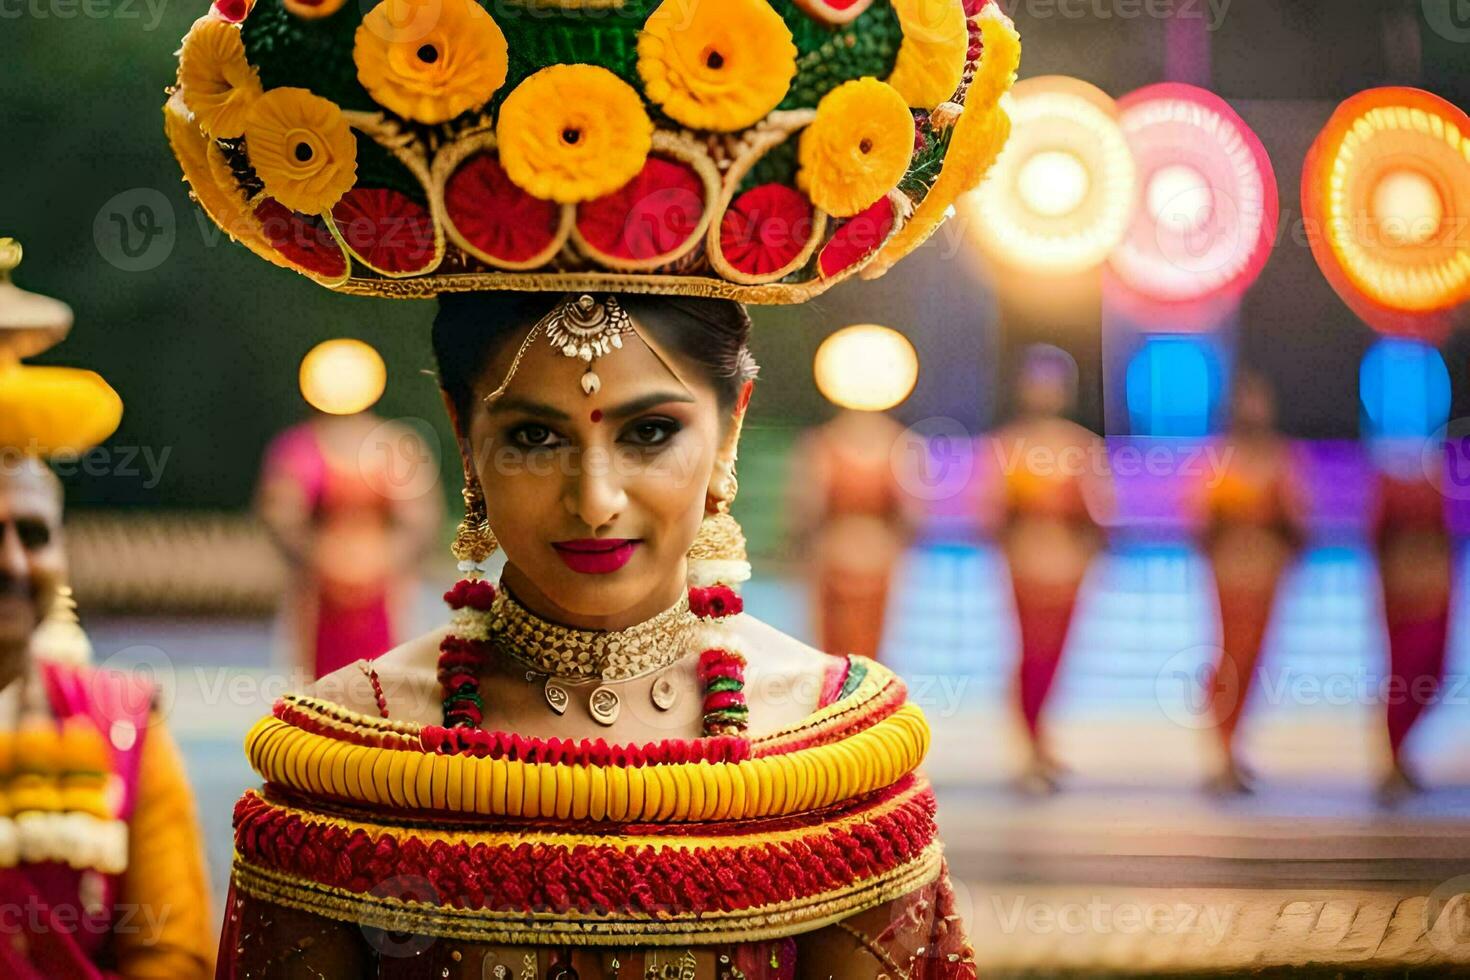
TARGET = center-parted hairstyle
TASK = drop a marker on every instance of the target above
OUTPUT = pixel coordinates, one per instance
(711, 335)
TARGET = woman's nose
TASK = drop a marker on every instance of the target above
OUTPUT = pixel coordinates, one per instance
(595, 492)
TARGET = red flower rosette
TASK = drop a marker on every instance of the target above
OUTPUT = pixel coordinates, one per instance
(304, 241)
(857, 239)
(654, 219)
(494, 220)
(387, 231)
(715, 602)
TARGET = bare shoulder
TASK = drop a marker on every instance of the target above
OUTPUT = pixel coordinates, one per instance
(408, 675)
(784, 677)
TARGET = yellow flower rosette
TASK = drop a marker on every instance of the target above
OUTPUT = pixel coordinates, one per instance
(218, 85)
(429, 62)
(572, 133)
(931, 58)
(716, 64)
(301, 148)
(857, 148)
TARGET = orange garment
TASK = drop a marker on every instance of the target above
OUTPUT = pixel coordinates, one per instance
(166, 872)
(1250, 539)
(858, 509)
(1049, 537)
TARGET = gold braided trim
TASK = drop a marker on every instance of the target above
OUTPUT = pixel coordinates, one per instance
(795, 782)
(774, 921)
(428, 832)
(427, 287)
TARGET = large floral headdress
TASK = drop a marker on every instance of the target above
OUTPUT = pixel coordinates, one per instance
(758, 150)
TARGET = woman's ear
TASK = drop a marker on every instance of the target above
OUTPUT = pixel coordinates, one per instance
(723, 483)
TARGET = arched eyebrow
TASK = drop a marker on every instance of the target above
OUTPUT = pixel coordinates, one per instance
(528, 407)
(638, 406)
(628, 409)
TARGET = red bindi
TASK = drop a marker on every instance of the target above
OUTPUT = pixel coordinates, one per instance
(597, 415)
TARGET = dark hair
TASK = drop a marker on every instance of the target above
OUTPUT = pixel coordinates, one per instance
(711, 334)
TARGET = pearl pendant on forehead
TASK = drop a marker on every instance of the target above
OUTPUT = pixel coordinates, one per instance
(586, 329)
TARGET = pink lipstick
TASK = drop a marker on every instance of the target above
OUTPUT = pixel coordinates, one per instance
(596, 556)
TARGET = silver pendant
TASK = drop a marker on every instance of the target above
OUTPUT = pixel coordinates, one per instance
(556, 696)
(604, 705)
(664, 693)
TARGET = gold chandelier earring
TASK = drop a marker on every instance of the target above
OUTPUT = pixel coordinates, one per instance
(474, 542)
(718, 555)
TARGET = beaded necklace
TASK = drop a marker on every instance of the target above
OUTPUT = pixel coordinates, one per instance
(488, 623)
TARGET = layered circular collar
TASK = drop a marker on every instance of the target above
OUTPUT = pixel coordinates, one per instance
(577, 654)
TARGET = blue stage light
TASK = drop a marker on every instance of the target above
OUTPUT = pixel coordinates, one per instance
(1404, 388)
(1173, 387)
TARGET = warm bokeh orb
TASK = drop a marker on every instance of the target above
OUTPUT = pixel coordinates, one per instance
(343, 376)
(866, 368)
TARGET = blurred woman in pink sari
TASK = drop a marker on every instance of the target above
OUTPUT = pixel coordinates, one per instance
(352, 501)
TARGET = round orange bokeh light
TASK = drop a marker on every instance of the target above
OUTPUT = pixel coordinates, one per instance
(1386, 195)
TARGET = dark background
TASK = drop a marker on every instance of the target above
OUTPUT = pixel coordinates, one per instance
(203, 341)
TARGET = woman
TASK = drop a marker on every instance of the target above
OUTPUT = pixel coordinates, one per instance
(1252, 532)
(854, 520)
(1415, 562)
(1055, 494)
(600, 767)
(595, 634)
(353, 539)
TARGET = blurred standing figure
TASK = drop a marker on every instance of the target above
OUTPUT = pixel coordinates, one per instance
(101, 868)
(345, 495)
(1415, 558)
(1056, 498)
(851, 516)
(1252, 529)
(855, 521)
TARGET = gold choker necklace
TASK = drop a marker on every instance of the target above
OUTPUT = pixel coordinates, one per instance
(561, 653)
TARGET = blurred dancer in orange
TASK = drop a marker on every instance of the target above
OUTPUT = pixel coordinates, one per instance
(1056, 496)
(353, 503)
(1415, 561)
(851, 516)
(1252, 530)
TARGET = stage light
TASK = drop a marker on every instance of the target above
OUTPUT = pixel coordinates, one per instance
(867, 368)
(1173, 384)
(1386, 195)
(1404, 390)
(1060, 196)
(1209, 193)
(1053, 183)
(1408, 207)
(343, 376)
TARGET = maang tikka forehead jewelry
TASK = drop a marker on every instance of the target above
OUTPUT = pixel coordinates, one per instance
(580, 327)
